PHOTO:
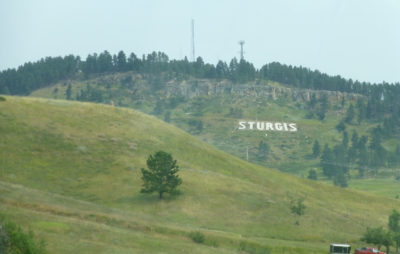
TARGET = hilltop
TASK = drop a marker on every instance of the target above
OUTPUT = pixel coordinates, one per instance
(71, 172)
(348, 130)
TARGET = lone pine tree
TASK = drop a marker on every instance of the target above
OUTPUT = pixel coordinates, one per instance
(161, 175)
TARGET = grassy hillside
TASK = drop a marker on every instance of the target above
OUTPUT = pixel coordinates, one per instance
(71, 172)
(214, 119)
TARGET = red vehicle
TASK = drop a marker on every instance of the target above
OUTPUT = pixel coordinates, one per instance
(368, 250)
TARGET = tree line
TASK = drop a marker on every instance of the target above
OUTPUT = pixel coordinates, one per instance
(32, 76)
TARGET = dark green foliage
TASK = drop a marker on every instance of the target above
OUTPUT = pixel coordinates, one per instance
(68, 92)
(120, 63)
(13, 240)
(2, 98)
(394, 227)
(197, 237)
(350, 114)
(373, 236)
(297, 207)
(312, 174)
(196, 126)
(316, 150)
(377, 236)
(324, 106)
(263, 150)
(353, 150)
(361, 110)
(377, 152)
(363, 158)
(354, 138)
(340, 126)
(340, 179)
(92, 94)
(334, 164)
(159, 108)
(327, 161)
(345, 140)
(161, 175)
(381, 237)
(221, 70)
(167, 116)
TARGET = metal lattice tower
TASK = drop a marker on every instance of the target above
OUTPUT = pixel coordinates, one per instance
(241, 50)
(193, 54)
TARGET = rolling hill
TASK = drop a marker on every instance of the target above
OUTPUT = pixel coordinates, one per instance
(211, 110)
(70, 171)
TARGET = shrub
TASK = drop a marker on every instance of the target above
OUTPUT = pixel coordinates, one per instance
(197, 237)
(14, 240)
(2, 98)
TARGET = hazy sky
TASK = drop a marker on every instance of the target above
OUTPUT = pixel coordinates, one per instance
(358, 39)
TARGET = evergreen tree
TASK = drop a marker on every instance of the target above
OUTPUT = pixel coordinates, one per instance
(350, 114)
(353, 150)
(161, 175)
(312, 174)
(68, 92)
(361, 110)
(340, 126)
(377, 152)
(340, 179)
(121, 64)
(363, 159)
(222, 70)
(345, 140)
(324, 105)
(327, 162)
(316, 150)
(263, 150)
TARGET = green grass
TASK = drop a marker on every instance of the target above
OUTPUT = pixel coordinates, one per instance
(71, 172)
(386, 187)
(289, 152)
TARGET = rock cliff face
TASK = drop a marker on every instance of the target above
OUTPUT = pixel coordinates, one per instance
(190, 89)
(141, 85)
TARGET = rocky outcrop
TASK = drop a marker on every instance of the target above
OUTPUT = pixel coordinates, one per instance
(194, 88)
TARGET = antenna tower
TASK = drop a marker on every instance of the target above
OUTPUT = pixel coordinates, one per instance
(193, 54)
(241, 50)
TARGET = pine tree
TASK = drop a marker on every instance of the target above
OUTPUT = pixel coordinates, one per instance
(161, 175)
(327, 162)
(350, 114)
(68, 92)
(316, 150)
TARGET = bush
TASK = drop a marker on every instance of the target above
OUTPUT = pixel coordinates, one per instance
(312, 174)
(14, 240)
(2, 98)
(197, 237)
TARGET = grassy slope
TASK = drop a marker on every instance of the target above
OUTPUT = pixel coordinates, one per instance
(79, 165)
(290, 152)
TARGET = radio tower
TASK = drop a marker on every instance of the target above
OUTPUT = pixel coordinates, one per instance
(193, 55)
(241, 50)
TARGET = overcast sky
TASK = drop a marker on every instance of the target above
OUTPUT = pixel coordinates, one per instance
(358, 39)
